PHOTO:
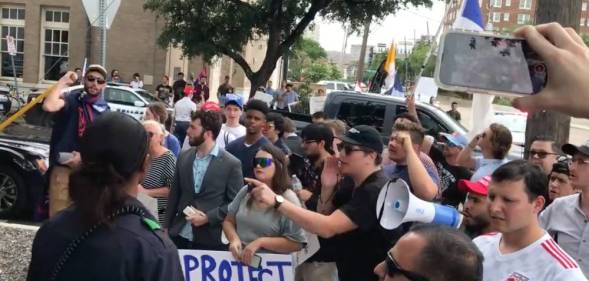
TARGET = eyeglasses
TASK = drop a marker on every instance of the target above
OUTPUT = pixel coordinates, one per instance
(310, 141)
(91, 78)
(579, 161)
(262, 161)
(347, 148)
(540, 154)
(394, 269)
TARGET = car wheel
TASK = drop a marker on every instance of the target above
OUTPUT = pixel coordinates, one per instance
(12, 192)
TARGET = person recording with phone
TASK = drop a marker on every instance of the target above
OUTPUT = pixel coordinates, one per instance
(75, 111)
(494, 143)
(253, 225)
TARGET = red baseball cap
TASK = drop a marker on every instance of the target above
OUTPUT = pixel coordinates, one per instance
(210, 106)
(480, 187)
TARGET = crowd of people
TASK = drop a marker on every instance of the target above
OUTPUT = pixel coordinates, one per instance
(243, 173)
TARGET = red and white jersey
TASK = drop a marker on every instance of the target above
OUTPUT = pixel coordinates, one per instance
(541, 260)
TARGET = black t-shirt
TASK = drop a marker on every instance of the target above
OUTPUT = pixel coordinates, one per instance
(449, 177)
(362, 249)
(164, 92)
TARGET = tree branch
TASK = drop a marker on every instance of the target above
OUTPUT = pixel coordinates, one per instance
(303, 23)
(238, 59)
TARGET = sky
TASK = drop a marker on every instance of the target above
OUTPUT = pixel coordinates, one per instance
(394, 27)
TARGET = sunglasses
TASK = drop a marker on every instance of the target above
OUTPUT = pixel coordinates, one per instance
(262, 161)
(540, 154)
(310, 141)
(98, 80)
(394, 269)
(347, 148)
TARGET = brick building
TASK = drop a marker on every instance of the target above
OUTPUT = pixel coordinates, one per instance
(55, 35)
(507, 15)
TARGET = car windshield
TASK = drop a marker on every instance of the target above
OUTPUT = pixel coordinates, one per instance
(514, 122)
(146, 95)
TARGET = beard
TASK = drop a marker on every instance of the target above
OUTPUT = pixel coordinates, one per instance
(196, 141)
(477, 225)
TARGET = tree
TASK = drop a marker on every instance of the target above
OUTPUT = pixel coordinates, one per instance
(222, 27)
(304, 53)
(409, 68)
(552, 124)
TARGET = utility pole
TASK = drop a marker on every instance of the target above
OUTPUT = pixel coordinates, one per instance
(102, 19)
(552, 124)
(360, 68)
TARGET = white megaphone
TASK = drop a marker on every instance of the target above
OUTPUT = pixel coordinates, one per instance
(396, 205)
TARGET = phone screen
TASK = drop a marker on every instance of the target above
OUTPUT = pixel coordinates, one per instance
(256, 261)
(491, 63)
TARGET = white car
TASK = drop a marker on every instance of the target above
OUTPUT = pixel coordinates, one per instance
(331, 86)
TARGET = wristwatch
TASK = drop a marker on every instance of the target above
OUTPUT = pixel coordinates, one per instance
(278, 200)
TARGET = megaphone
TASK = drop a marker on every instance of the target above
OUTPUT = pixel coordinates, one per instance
(396, 205)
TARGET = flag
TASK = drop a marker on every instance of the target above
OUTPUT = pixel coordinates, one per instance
(389, 67)
(482, 105)
(398, 87)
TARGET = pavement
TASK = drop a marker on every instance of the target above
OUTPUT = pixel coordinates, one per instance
(15, 250)
(579, 132)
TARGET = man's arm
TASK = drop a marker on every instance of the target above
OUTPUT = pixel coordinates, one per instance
(465, 158)
(322, 225)
(54, 101)
(422, 183)
(234, 184)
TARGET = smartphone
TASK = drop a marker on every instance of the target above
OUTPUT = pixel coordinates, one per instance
(489, 64)
(189, 211)
(65, 157)
(256, 261)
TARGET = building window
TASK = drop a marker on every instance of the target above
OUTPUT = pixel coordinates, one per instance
(584, 6)
(496, 3)
(582, 21)
(507, 3)
(506, 17)
(523, 19)
(12, 22)
(496, 17)
(525, 4)
(55, 48)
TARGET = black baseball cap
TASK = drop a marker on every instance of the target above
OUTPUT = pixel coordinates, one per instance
(115, 139)
(572, 149)
(318, 132)
(364, 136)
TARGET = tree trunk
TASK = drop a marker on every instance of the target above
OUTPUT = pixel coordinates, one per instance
(552, 124)
(360, 68)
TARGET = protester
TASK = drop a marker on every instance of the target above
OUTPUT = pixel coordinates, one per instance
(137, 83)
(178, 87)
(352, 208)
(107, 234)
(560, 184)
(317, 146)
(444, 155)
(318, 117)
(183, 110)
(320, 92)
(292, 140)
(258, 225)
(79, 74)
(567, 60)
(207, 178)
(521, 249)
(274, 131)
(339, 128)
(231, 130)
(157, 112)
(164, 91)
(476, 207)
(287, 97)
(224, 89)
(404, 149)
(246, 147)
(433, 253)
(201, 89)
(75, 111)
(566, 218)
(272, 92)
(495, 143)
(115, 77)
(543, 153)
(160, 174)
(454, 113)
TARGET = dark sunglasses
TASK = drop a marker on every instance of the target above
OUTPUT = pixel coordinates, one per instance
(540, 154)
(262, 161)
(310, 141)
(98, 80)
(394, 269)
(347, 148)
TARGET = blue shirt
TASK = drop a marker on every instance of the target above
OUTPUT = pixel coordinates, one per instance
(485, 167)
(289, 97)
(246, 154)
(393, 171)
(199, 168)
(173, 144)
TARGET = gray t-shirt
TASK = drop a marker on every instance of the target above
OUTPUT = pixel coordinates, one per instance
(253, 222)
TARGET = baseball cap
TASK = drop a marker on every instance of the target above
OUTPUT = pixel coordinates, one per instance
(234, 99)
(480, 187)
(317, 132)
(456, 139)
(572, 149)
(115, 139)
(364, 136)
(210, 106)
(98, 68)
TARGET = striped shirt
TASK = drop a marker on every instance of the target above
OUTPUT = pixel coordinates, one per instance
(161, 174)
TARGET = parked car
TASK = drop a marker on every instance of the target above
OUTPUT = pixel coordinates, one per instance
(331, 86)
(22, 183)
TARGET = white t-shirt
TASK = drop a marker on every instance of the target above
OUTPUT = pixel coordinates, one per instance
(228, 134)
(136, 84)
(542, 260)
(183, 109)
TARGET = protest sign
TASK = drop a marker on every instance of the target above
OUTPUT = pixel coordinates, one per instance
(221, 266)
(316, 104)
(264, 97)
